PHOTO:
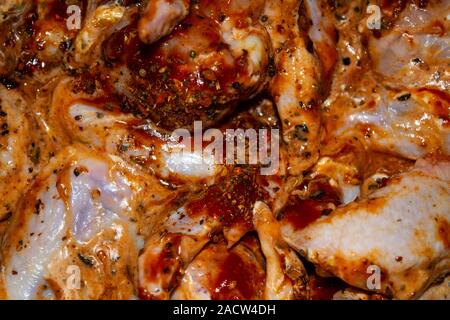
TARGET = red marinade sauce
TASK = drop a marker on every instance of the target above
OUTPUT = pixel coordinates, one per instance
(57, 10)
(441, 104)
(237, 280)
(230, 201)
(325, 288)
(164, 263)
(302, 212)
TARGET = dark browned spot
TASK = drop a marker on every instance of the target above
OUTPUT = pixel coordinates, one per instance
(444, 232)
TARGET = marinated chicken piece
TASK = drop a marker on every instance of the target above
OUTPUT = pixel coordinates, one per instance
(52, 38)
(350, 295)
(35, 40)
(224, 207)
(344, 176)
(19, 152)
(80, 214)
(101, 125)
(160, 17)
(438, 291)
(405, 112)
(164, 261)
(354, 171)
(415, 51)
(322, 33)
(295, 87)
(219, 273)
(211, 61)
(12, 16)
(408, 124)
(315, 196)
(286, 277)
(9, 6)
(101, 22)
(342, 97)
(355, 294)
(167, 254)
(402, 229)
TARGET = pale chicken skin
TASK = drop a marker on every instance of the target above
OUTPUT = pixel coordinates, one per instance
(401, 228)
(16, 166)
(99, 198)
(160, 18)
(220, 273)
(80, 214)
(392, 93)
